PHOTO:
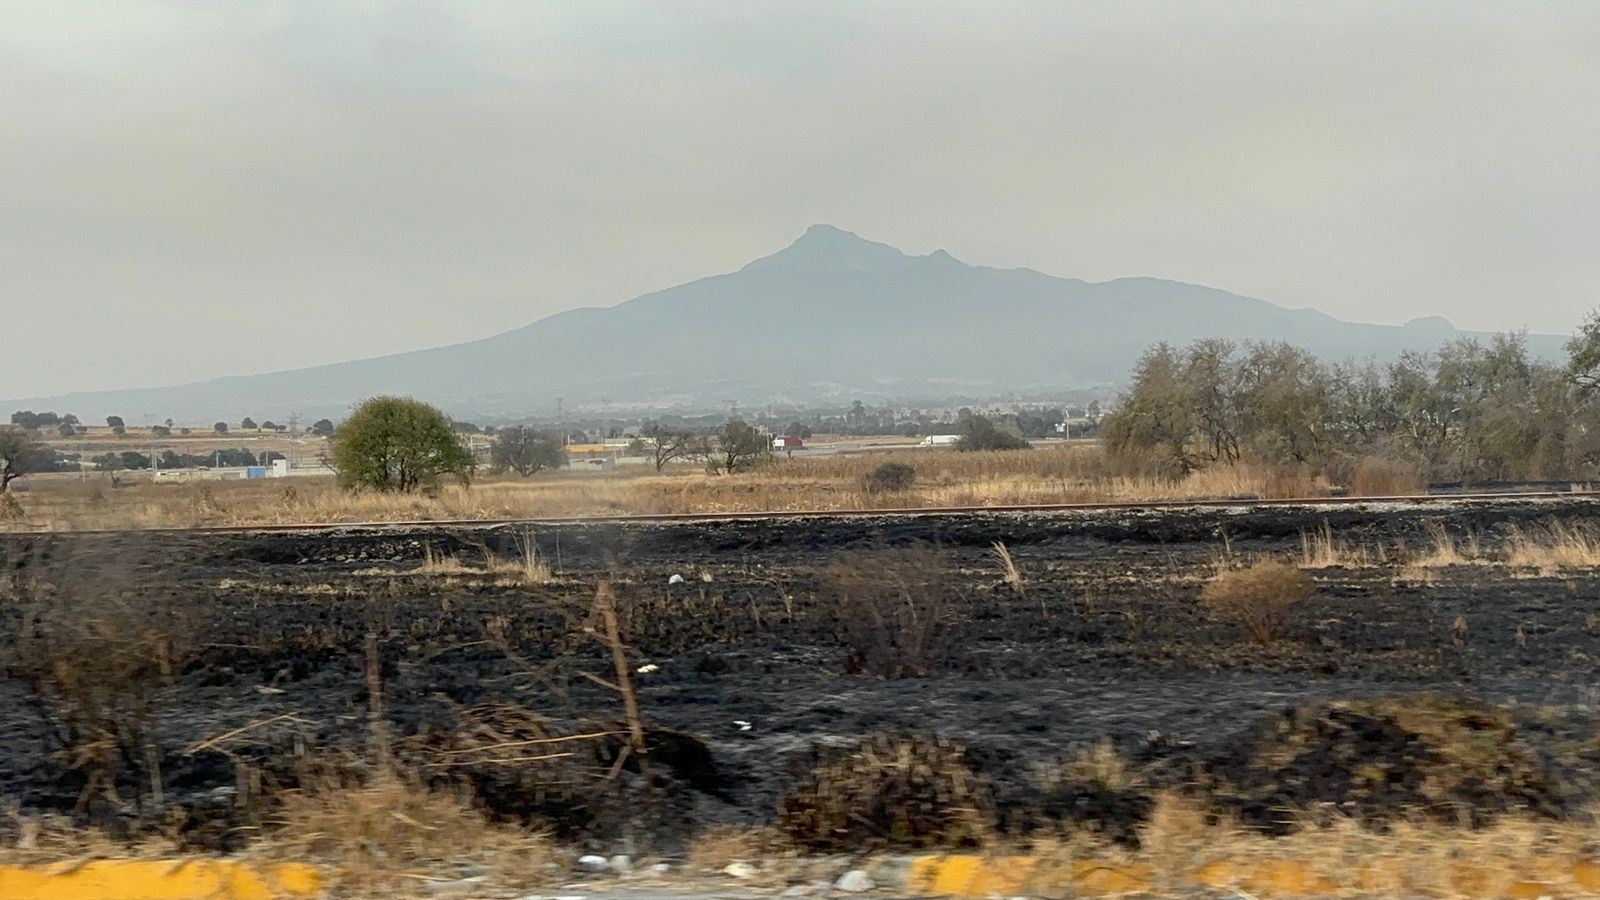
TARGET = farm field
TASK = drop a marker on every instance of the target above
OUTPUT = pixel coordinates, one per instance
(207, 689)
(939, 478)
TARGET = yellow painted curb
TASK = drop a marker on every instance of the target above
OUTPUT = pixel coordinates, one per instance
(172, 879)
(968, 875)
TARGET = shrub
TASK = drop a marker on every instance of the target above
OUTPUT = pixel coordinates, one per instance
(1258, 598)
(978, 433)
(893, 610)
(888, 793)
(889, 477)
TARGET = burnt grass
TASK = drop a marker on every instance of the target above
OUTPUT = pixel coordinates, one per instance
(1461, 697)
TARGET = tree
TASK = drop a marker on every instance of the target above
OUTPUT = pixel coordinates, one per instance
(32, 421)
(740, 446)
(220, 428)
(1583, 365)
(322, 428)
(526, 450)
(248, 423)
(66, 430)
(269, 425)
(1154, 421)
(19, 455)
(118, 430)
(133, 459)
(397, 444)
(978, 433)
(115, 422)
(798, 429)
(160, 430)
(664, 444)
(70, 419)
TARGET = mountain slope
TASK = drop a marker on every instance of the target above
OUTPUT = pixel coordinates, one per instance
(832, 315)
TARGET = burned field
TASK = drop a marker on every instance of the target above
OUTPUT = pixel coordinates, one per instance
(877, 681)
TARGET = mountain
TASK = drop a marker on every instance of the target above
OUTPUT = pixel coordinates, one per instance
(831, 316)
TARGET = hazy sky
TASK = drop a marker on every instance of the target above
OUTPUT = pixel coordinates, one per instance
(203, 188)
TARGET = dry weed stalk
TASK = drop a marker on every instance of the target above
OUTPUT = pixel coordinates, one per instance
(1008, 568)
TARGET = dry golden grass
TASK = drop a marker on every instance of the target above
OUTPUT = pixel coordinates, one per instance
(1379, 477)
(1319, 549)
(394, 833)
(1553, 547)
(718, 847)
(1075, 474)
(1446, 550)
(1183, 839)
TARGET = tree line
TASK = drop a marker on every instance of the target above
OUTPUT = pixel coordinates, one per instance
(1472, 411)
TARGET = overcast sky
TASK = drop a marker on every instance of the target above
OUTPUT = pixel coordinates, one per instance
(204, 188)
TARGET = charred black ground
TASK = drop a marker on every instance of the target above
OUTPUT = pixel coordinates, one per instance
(752, 681)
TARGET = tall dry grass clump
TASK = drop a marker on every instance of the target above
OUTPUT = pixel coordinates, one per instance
(1319, 549)
(1378, 476)
(1554, 546)
(1445, 549)
(1259, 598)
(391, 830)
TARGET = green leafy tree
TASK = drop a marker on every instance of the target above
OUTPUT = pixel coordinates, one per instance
(1584, 354)
(739, 447)
(397, 444)
(19, 455)
(526, 450)
(248, 423)
(220, 428)
(115, 422)
(1154, 421)
(322, 428)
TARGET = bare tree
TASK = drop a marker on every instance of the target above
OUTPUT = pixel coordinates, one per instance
(526, 450)
(666, 445)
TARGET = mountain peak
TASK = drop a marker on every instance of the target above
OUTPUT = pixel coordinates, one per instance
(827, 247)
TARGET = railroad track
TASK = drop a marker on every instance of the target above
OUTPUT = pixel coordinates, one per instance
(913, 512)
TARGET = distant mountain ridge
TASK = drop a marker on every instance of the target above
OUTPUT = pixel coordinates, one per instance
(832, 316)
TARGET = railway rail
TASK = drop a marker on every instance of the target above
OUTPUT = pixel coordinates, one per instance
(645, 518)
